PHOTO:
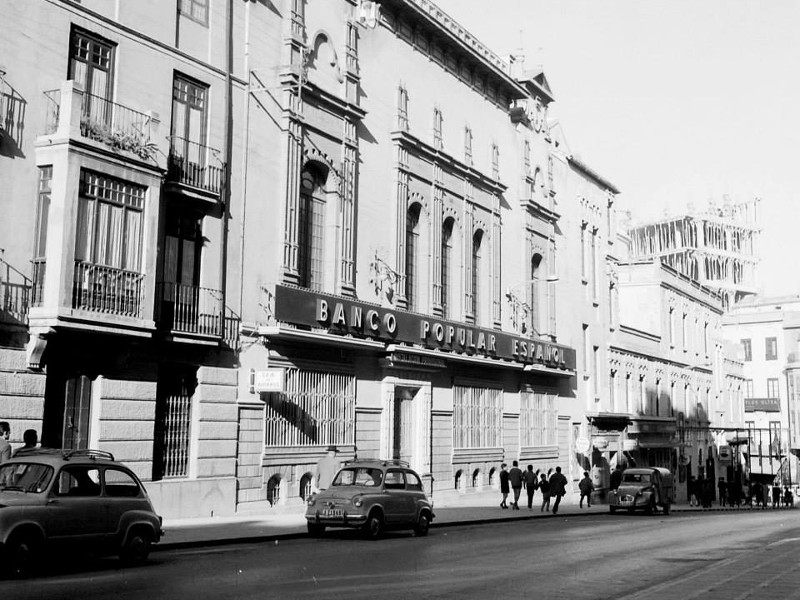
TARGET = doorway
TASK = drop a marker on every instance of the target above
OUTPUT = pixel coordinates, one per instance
(403, 423)
(67, 410)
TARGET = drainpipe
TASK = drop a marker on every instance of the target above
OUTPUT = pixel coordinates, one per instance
(226, 189)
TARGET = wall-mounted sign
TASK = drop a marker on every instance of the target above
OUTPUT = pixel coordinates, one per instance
(268, 380)
(582, 445)
(725, 454)
(420, 361)
(762, 404)
(360, 319)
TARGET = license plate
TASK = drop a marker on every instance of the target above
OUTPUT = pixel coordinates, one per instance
(333, 512)
(625, 502)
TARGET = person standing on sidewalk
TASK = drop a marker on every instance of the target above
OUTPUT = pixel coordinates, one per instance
(327, 467)
(544, 486)
(558, 487)
(722, 489)
(586, 487)
(515, 478)
(504, 485)
(531, 483)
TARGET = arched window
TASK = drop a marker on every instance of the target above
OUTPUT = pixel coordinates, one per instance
(447, 265)
(536, 295)
(306, 485)
(458, 482)
(476, 274)
(476, 478)
(412, 249)
(274, 490)
(310, 228)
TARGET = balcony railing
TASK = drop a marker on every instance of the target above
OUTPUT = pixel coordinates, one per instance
(37, 282)
(107, 290)
(189, 164)
(111, 124)
(15, 293)
(195, 310)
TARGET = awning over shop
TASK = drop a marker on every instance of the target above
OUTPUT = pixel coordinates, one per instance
(607, 421)
(737, 438)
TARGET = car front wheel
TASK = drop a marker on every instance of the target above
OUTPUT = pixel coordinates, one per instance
(373, 528)
(22, 553)
(136, 548)
(423, 525)
(315, 530)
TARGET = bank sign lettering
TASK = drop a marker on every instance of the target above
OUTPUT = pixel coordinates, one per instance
(359, 319)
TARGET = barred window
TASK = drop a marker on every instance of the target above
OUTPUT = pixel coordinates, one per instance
(538, 419)
(477, 417)
(316, 409)
(196, 10)
(173, 420)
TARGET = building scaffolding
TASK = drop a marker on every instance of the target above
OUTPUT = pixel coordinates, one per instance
(716, 246)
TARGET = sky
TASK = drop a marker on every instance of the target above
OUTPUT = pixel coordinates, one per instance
(672, 101)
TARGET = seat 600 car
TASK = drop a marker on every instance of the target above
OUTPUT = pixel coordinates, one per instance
(55, 498)
(373, 496)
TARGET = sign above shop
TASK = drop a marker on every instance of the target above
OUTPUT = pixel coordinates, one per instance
(268, 380)
(762, 404)
(359, 319)
(418, 361)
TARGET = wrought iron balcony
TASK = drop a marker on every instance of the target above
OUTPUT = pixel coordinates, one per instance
(107, 290)
(195, 166)
(195, 310)
(101, 120)
(15, 294)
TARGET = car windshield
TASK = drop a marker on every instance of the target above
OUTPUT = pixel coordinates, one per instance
(636, 478)
(359, 476)
(27, 477)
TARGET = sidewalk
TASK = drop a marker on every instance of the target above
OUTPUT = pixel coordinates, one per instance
(288, 522)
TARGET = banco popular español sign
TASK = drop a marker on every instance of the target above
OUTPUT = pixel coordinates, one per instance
(360, 319)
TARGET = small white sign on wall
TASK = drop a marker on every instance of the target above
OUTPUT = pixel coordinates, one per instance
(267, 380)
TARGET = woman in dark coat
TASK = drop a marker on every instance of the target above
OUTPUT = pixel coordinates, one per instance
(504, 489)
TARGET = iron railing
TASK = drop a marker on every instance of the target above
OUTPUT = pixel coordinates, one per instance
(107, 290)
(195, 310)
(37, 281)
(115, 125)
(188, 163)
(15, 293)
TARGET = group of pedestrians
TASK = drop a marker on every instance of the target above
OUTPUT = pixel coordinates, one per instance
(30, 440)
(515, 479)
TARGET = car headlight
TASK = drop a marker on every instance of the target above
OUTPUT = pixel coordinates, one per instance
(357, 502)
(312, 500)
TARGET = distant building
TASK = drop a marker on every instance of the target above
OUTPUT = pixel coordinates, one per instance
(767, 331)
(718, 246)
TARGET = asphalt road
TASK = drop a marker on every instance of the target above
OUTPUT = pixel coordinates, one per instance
(732, 555)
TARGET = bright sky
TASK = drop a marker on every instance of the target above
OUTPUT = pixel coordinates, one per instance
(673, 101)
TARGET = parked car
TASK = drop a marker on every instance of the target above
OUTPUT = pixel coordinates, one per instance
(72, 499)
(372, 495)
(646, 488)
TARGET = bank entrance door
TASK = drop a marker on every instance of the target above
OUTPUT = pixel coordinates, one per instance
(403, 423)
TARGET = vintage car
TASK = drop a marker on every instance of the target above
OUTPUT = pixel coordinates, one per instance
(372, 495)
(645, 488)
(72, 499)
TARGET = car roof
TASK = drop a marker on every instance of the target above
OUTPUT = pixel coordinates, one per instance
(377, 463)
(56, 457)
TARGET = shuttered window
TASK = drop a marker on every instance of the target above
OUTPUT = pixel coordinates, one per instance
(538, 419)
(477, 417)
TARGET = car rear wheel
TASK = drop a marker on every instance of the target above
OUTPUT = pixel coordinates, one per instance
(373, 528)
(315, 529)
(22, 553)
(423, 525)
(136, 548)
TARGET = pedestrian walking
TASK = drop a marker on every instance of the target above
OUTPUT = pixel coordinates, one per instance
(504, 485)
(776, 496)
(558, 487)
(515, 479)
(788, 497)
(30, 439)
(544, 487)
(616, 477)
(722, 490)
(586, 487)
(326, 470)
(5, 447)
(531, 483)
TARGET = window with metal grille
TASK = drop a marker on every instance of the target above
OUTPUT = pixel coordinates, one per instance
(110, 213)
(412, 241)
(196, 10)
(316, 408)
(173, 422)
(447, 257)
(477, 417)
(538, 419)
(310, 233)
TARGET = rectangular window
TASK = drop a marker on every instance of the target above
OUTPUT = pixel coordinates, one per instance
(772, 388)
(583, 253)
(40, 233)
(91, 64)
(748, 388)
(594, 267)
(477, 417)
(748, 350)
(316, 408)
(311, 231)
(173, 420)
(196, 10)
(437, 129)
(468, 145)
(771, 348)
(538, 419)
(402, 108)
(188, 132)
